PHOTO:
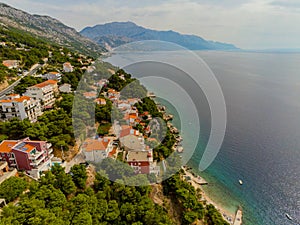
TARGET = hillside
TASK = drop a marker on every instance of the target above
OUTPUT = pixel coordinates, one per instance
(26, 50)
(48, 28)
(118, 33)
(77, 197)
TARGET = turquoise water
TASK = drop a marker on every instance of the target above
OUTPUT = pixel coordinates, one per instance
(262, 140)
(215, 189)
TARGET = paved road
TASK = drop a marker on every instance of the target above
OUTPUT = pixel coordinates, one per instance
(10, 88)
(79, 158)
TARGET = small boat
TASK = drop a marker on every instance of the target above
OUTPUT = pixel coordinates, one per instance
(240, 182)
(288, 216)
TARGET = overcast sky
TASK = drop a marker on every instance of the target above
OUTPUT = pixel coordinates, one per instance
(249, 24)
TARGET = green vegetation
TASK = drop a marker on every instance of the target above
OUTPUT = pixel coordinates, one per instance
(26, 82)
(60, 198)
(148, 105)
(118, 83)
(213, 216)
(12, 188)
(30, 50)
(103, 112)
(54, 126)
(79, 175)
(104, 128)
(129, 87)
(3, 72)
(56, 200)
(22, 46)
(72, 78)
(187, 198)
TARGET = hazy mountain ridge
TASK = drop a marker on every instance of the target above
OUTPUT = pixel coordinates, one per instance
(117, 33)
(48, 28)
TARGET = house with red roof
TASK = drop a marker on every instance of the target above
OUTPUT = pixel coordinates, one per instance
(123, 105)
(101, 83)
(11, 64)
(90, 94)
(140, 161)
(131, 139)
(67, 67)
(100, 101)
(112, 93)
(95, 150)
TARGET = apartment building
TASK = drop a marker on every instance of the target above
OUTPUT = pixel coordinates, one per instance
(33, 157)
(21, 107)
(44, 92)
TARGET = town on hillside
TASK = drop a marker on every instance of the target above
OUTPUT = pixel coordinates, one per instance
(70, 125)
(132, 138)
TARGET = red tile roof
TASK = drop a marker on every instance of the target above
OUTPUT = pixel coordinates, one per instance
(110, 154)
(128, 131)
(96, 144)
(7, 145)
(21, 99)
(90, 94)
(46, 83)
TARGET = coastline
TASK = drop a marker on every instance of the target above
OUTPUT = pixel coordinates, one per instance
(197, 181)
(226, 214)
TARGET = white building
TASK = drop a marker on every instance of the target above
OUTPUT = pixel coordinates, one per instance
(11, 64)
(44, 92)
(52, 76)
(65, 88)
(21, 107)
(67, 67)
(96, 150)
(100, 101)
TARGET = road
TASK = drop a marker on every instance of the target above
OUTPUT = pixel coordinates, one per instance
(79, 158)
(10, 88)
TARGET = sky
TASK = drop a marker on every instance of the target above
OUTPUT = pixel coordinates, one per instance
(249, 24)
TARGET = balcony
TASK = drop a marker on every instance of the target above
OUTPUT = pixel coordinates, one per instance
(50, 150)
(45, 165)
(49, 145)
(37, 162)
(36, 155)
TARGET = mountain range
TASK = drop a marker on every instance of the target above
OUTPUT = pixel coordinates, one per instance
(49, 29)
(97, 39)
(111, 35)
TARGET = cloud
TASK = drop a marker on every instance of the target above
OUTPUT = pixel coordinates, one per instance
(287, 4)
(246, 23)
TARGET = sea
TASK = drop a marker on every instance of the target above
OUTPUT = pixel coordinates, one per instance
(261, 145)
